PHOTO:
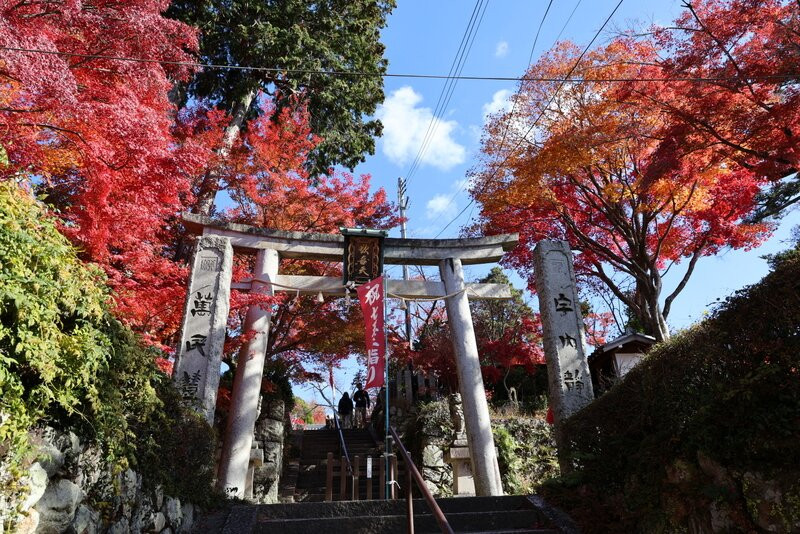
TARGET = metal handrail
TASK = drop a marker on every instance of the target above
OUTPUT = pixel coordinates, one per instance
(341, 441)
(413, 472)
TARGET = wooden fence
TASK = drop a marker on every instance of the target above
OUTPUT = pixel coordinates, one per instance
(348, 480)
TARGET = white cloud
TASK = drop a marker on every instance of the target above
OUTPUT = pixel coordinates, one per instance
(500, 102)
(404, 128)
(501, 50)
(441, 205)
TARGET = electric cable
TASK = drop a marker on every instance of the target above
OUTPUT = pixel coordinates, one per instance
(449, 87)
(514, 101)
(697, 79)
(541, 113)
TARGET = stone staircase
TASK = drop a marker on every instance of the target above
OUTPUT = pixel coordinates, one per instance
(313, 464)
(310, 514)
(495, 515)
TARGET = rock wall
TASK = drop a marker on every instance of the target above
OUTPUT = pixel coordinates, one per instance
(71, 490)
(269, 436)
(429, 432)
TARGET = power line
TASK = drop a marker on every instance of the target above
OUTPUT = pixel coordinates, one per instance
(541, 113)
(514, 103)
(452, 72)
(574, 9)
(710, 79)
(446, 94)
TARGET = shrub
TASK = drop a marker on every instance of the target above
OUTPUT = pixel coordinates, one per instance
(526, 453)
(67, 362)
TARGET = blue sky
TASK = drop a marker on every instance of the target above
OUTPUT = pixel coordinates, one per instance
(422, 37)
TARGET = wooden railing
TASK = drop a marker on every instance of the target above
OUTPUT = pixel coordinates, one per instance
(412, 473)
(353, 471)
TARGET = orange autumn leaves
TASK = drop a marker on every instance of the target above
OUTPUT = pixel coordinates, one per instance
(596, 165)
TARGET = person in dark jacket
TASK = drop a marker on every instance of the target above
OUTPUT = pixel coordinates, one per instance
(361, 399)
(346, 411)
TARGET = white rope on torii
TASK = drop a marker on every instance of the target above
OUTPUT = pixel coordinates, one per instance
(348, 287)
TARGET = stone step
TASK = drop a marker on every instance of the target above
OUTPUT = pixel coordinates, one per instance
(484, 515)
(524, 520)
(448, 505)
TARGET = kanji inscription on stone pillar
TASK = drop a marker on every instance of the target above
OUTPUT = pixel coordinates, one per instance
(564, 340)
(205, 316)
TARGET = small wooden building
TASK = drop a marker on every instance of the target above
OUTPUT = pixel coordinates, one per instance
(611, 361)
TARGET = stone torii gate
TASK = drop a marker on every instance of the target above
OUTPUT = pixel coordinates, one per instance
(199, 354)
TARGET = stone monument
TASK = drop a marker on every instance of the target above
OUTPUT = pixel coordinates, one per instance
(568, 377)
(199, 354)
(458, 456)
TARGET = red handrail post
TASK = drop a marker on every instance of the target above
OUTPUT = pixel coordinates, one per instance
(409, 502)
(356, 468)
(432, 504)
(369, 483)
(394, 476)
(343, 479)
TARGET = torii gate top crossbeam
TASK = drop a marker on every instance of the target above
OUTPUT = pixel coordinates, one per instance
(330, 247)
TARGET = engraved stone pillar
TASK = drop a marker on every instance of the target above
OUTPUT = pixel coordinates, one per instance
(409, 389)
(199, 354)
(470, 382)
(246, 392)
(568, 377)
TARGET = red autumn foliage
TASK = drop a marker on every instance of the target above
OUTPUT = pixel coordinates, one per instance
(101, 140)
(590, 167)
(96, 133)
(749, 113)
(264, 175)
(517, 346)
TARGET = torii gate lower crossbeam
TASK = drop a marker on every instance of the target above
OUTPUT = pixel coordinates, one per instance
(198, 360)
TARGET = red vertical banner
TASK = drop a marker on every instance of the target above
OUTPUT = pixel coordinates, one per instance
(370, 295)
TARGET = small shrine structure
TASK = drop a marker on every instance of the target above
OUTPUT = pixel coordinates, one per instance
(611, 361)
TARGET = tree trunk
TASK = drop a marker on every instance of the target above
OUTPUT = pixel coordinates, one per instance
(207, 192)
(210, 184)
(648, 311)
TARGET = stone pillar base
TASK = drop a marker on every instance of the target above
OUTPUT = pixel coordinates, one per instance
(459, 458)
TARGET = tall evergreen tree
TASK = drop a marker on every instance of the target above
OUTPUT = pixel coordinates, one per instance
(293, 35)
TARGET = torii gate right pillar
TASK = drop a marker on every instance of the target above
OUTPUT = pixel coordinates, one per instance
(485, 469)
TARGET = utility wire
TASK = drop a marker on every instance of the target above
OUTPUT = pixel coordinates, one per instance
(514, 101)
(449, 87)
(698, 79)
(539, 117)
(574, 9)
(450, 74)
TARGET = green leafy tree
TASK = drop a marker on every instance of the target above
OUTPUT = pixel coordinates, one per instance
(65, 361)
(493, 317)
(292, 35)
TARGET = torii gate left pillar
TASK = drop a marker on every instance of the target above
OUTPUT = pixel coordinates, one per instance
(236, 448)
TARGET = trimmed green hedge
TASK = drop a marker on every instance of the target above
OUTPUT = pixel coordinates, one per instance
(721, 399)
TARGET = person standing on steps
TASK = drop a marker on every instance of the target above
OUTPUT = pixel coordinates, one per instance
(346, 410)
(361, 399)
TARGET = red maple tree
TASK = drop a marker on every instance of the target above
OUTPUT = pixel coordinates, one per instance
(747, 109)
(100, 139)
(95, 133)
(590, 166)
